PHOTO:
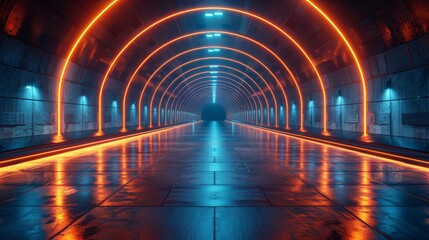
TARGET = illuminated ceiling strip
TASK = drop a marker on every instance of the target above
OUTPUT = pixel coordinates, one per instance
(231, 68)
(356, 59)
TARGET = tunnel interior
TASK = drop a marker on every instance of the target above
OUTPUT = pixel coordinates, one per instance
(214, 119)
(75, 69)
(213, 112)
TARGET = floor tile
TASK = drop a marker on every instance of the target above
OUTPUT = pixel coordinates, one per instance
(143, 223)
(396, 222)
(215, 195)
(36, 222)
(290, 223)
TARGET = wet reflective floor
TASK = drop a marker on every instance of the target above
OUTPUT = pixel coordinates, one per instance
(214, 180)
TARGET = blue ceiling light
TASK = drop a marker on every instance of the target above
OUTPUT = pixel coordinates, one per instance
(213, 14)
(213, 50)
(213, 35)
(214, 66)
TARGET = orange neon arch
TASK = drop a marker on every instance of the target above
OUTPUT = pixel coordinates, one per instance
(232, 75)
(226, 33)
(356, 59)
(230, 60)
(218, 47)
(66, 64)
(208, 79)
(220, 66)
(202, 92)
(59, 109)
(203, 9)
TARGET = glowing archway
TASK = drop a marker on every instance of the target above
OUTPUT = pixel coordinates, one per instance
(233, 75)
(196, 60)
(133, 76)
(214, 47)
(208, 79)
(64, 69)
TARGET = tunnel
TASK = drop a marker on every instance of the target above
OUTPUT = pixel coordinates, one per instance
(214, 119)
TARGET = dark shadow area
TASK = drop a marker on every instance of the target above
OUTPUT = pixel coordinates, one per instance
(213, 112)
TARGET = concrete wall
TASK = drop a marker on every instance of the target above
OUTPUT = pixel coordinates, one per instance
(398, 90)
(28, 83)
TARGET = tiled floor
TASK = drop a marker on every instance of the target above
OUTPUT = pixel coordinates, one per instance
(214, 180)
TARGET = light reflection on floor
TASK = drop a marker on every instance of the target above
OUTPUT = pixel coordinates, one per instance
(214, 180)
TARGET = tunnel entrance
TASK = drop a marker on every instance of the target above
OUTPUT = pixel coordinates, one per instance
(213, 112)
